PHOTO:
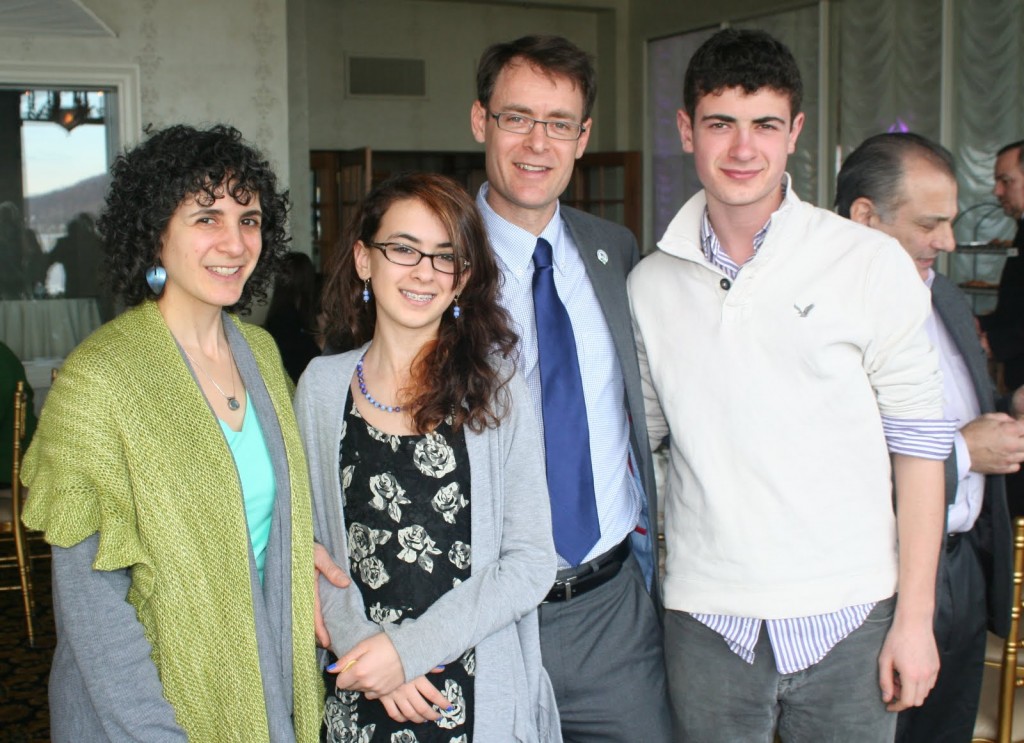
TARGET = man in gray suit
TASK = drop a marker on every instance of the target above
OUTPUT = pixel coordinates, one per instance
(904, 185)
(600, 628)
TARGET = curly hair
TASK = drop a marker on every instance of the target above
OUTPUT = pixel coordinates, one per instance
(554, 55)
(455, 374)
(742, 58)
(150, 181)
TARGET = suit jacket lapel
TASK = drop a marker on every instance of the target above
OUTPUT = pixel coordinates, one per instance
(608, 280)
(959, 322)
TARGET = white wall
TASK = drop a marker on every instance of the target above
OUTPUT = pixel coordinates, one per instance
(223, 61)
(449, 35)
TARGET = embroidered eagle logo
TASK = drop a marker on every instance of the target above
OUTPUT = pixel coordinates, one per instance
(803, 312)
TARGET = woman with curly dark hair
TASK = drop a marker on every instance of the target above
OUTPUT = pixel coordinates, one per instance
(428, 483)
(168, 474)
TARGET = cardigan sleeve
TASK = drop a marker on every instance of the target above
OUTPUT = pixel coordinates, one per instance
(109, 653)
(317, 412)
(504, 590)
(77, 470)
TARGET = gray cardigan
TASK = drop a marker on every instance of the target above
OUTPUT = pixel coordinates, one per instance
(513, 567)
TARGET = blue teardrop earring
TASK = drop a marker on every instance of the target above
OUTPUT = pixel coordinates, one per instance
(366, 291)
(456, 310)
(156, 277)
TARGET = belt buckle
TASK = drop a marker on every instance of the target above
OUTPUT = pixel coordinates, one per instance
(564, 588)
(568, 587)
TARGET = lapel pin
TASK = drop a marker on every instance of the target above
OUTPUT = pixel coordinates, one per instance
(603, 257)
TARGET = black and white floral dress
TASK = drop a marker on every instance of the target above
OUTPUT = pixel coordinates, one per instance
(406, 504)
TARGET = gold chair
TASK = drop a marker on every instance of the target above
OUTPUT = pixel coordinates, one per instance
(10, 518)
(1001, 715)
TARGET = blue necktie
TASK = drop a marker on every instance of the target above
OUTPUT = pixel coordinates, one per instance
(566, 432)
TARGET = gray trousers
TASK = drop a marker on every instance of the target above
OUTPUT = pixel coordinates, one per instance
(717, 697)
(603, 653)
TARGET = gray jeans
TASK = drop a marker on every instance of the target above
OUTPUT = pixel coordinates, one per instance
(717, 697)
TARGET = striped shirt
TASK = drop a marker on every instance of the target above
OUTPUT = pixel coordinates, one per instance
(800, 642)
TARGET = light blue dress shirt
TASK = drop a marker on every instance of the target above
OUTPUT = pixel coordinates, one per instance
(616, 489)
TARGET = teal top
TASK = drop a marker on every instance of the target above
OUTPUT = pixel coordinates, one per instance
(256, 474)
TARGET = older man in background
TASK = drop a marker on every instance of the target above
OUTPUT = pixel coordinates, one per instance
(904, 185)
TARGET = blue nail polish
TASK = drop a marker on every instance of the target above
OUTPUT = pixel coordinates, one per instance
(439, 668)
(450, 708)
(332, 667)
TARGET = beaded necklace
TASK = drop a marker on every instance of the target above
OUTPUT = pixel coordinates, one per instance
(367, 395)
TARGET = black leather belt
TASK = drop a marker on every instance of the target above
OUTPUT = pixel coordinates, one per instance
(589, 575)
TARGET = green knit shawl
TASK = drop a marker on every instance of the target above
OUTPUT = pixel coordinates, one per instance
(128, 447)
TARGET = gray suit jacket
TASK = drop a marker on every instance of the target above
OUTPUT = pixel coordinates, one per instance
(992, 529)
(609, 251)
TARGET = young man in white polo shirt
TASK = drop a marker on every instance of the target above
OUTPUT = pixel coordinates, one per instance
(795, 369)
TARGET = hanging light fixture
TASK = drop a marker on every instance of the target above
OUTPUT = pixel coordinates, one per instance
(70, 117)
(67, 108)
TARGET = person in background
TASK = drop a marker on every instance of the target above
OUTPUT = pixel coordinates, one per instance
(782, 348)
(80, 251)
(11, 372)
(905, 186)
(1004, 327)
(22, 258)
(293, 316)
(428, 483)
(168, 474)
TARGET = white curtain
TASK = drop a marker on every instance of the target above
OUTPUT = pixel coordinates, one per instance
(988, 90)
(890, 55)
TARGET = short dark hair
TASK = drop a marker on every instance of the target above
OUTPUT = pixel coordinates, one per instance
(454, 375)
(875, 170)
(553, 55)
(150, 181)
(742, 58)
(1018, 145)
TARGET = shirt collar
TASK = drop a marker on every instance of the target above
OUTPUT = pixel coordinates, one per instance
(512, 244)
(713, 251)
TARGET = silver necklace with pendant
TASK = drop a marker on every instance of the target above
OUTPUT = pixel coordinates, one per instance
(233, 403)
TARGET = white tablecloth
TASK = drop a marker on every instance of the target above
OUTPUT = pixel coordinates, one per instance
(46, 328)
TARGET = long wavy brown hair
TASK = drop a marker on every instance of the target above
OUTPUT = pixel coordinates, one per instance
(459, 372)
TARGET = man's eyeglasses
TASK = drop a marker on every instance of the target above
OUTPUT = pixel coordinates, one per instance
(520, 124)
(404, 255)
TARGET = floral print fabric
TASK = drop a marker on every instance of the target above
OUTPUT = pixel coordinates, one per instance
(407, 506)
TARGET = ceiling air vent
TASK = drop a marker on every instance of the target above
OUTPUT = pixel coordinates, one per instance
(380, 76)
